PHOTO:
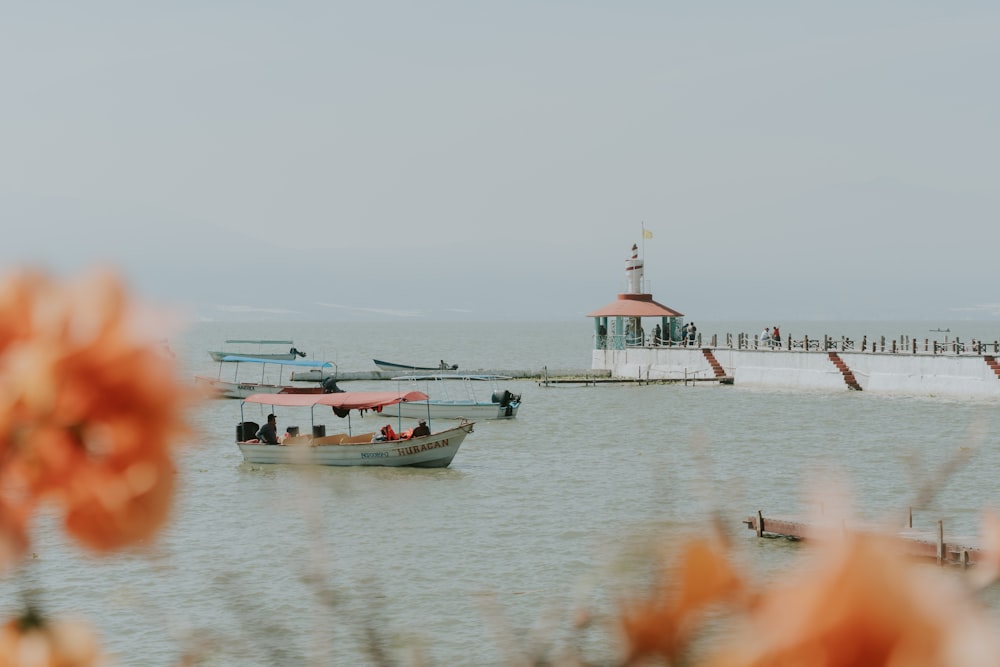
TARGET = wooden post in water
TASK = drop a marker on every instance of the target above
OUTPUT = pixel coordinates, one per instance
(940, 542)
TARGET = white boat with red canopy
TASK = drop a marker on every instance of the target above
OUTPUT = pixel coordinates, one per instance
(435, 450)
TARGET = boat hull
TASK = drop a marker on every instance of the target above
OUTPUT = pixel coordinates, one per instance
(403, 368)
(452, 410)
(226, 389)
(433, 451)
(218, 355)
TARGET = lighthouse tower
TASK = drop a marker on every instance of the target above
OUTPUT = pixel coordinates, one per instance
(618, 325)
(633, 272)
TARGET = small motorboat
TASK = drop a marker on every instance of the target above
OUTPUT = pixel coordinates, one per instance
(457, 397)
(237, 387)
(349, 448)
(259, 353)
(407, 368)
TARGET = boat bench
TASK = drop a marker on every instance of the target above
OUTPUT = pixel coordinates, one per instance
(344, 439)
(338, 439)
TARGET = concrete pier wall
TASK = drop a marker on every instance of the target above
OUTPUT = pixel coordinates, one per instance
(878, 372)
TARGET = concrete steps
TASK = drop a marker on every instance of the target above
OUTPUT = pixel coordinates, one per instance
(849, 378)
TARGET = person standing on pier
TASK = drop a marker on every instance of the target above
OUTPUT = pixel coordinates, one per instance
(776, 337)
(765, 338)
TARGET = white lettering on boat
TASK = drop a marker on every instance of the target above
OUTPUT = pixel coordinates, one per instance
(416, 449)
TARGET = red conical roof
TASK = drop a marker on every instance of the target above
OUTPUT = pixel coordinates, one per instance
(635, 305)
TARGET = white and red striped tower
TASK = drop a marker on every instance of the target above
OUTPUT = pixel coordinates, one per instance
(633, 272)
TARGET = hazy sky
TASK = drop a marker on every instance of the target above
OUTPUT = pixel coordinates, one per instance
(496, 161)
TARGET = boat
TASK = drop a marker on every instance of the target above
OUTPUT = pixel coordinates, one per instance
(435, 450)
(402, 368)
(293, 353)
(948, 330)
(241, 388)
(457, 397)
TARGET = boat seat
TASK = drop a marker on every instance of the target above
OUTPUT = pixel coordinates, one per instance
(344, 439)
(304, 439)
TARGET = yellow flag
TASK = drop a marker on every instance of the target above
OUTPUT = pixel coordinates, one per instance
(646, 234)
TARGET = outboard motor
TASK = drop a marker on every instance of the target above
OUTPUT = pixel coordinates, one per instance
(294, 351)
(505, 398)
(246, 431)
(330, 386)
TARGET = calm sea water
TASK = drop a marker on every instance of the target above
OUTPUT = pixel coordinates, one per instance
(539, 518)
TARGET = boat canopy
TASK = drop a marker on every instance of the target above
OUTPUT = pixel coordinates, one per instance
(261, 342)
(308, 363)
(347, 400)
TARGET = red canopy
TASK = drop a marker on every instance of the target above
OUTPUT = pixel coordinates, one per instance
(346, 400)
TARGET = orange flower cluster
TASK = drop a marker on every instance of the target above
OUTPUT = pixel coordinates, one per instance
(858, 601)
(663, 624)
(89, 411)
(30, 640)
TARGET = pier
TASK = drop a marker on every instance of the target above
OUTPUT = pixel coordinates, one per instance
(674, 351)
(566, 374)
(903, 366)
(924, 544)
(544, 376)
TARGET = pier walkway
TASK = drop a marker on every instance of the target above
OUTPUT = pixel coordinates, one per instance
(918, 543)
(544, 377)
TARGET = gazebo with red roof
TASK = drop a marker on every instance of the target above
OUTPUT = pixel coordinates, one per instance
(626, 312)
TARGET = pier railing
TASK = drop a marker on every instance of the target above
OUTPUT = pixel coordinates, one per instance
(742, 341)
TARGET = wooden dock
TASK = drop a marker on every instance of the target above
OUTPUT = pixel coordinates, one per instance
(930, 545)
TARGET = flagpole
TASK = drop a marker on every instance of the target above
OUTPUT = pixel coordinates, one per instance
(643, 223)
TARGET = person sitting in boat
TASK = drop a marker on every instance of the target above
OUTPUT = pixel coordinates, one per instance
(387, 433)
(268, 433)
(421, 429)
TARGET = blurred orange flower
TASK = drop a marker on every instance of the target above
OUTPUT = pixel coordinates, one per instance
(861, 602)
(90, 408)
(31, 641)
(662, 625)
